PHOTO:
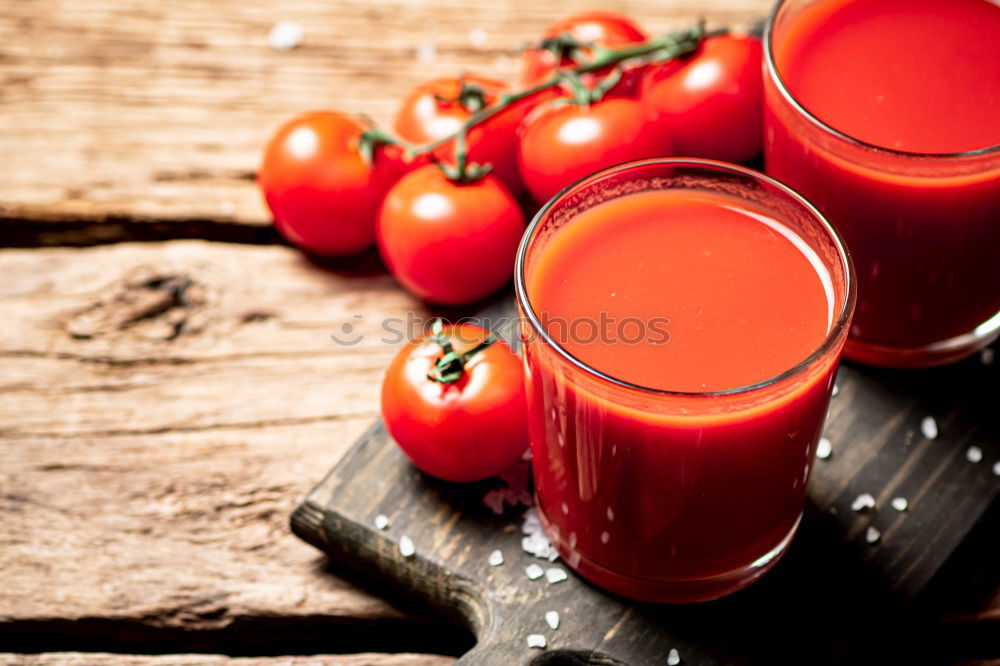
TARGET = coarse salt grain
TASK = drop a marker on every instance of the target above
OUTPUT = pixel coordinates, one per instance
(986, 356)
(929, 427)
(556, 575)
(537, 545)
(836, 389)
(974, 454)
(824, 448)
(552, 619)
(534, 572)
(531, 523)
(899, 503)
(427, 53)
(496, 558)
(863, 502)
(536, 641)
(673, 657)
(872, 535)
(996, 468)
(406, 547)
(285, 35)
(381, 521)
(478, 37)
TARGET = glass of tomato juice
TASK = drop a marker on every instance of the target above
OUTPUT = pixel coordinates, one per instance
(885, 114)
(681, 325)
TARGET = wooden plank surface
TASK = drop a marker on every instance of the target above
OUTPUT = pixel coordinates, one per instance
(146, 120)
(147, 478)
(835, 597)
(104, 659)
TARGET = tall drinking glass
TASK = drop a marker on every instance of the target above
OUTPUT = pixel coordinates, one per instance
(885, 114)
(676, 495)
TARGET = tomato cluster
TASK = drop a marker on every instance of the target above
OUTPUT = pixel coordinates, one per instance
(443, 199)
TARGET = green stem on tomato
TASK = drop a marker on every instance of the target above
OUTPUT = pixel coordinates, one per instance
(451, 366)
(659, 49)
(372, 138)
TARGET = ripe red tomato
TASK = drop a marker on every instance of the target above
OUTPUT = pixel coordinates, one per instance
(437, 109)
(602, 28)
(322, 192)
(470, 423)
(563, 143)
(714, 102)
(448, 243)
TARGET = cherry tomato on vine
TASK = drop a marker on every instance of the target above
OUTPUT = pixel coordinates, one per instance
(714, 101)
(561, 144)
(446, 242)
(437, 109)
(601, 28)
(454, 402)
(323, 192)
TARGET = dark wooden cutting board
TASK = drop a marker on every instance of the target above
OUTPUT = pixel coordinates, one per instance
(833, 598)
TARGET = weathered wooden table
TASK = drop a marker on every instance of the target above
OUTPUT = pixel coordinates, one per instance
(168, 386)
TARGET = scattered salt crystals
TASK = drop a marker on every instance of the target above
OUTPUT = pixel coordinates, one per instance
(863, 502)
(872, 535)
(285, 35)
(536, 543)
(478, 37)
(899, 503)
(986, 356)
(996, 468)
(929, 427)
(605, 536)
(406, 548)
(526, 456)
(556, 575)
(427, 53)
(496, 558)
(552, 619)
(534, 572)
(824, 448)
(836, 389)
(974, 454)
(531, 523)
(673, 657)
(536, 641)
(381, 521)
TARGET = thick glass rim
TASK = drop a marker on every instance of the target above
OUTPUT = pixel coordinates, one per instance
(779, 83)
(836, 328)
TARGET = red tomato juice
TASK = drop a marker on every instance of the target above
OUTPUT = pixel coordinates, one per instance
(655, 496)
(908, 83)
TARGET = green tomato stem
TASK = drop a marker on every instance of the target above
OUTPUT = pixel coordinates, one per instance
(451, 366)
(660, 49)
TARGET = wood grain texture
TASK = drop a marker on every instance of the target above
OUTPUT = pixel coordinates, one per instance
(156, 113)
(104, 659)
(835, 597)
(153, 446)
